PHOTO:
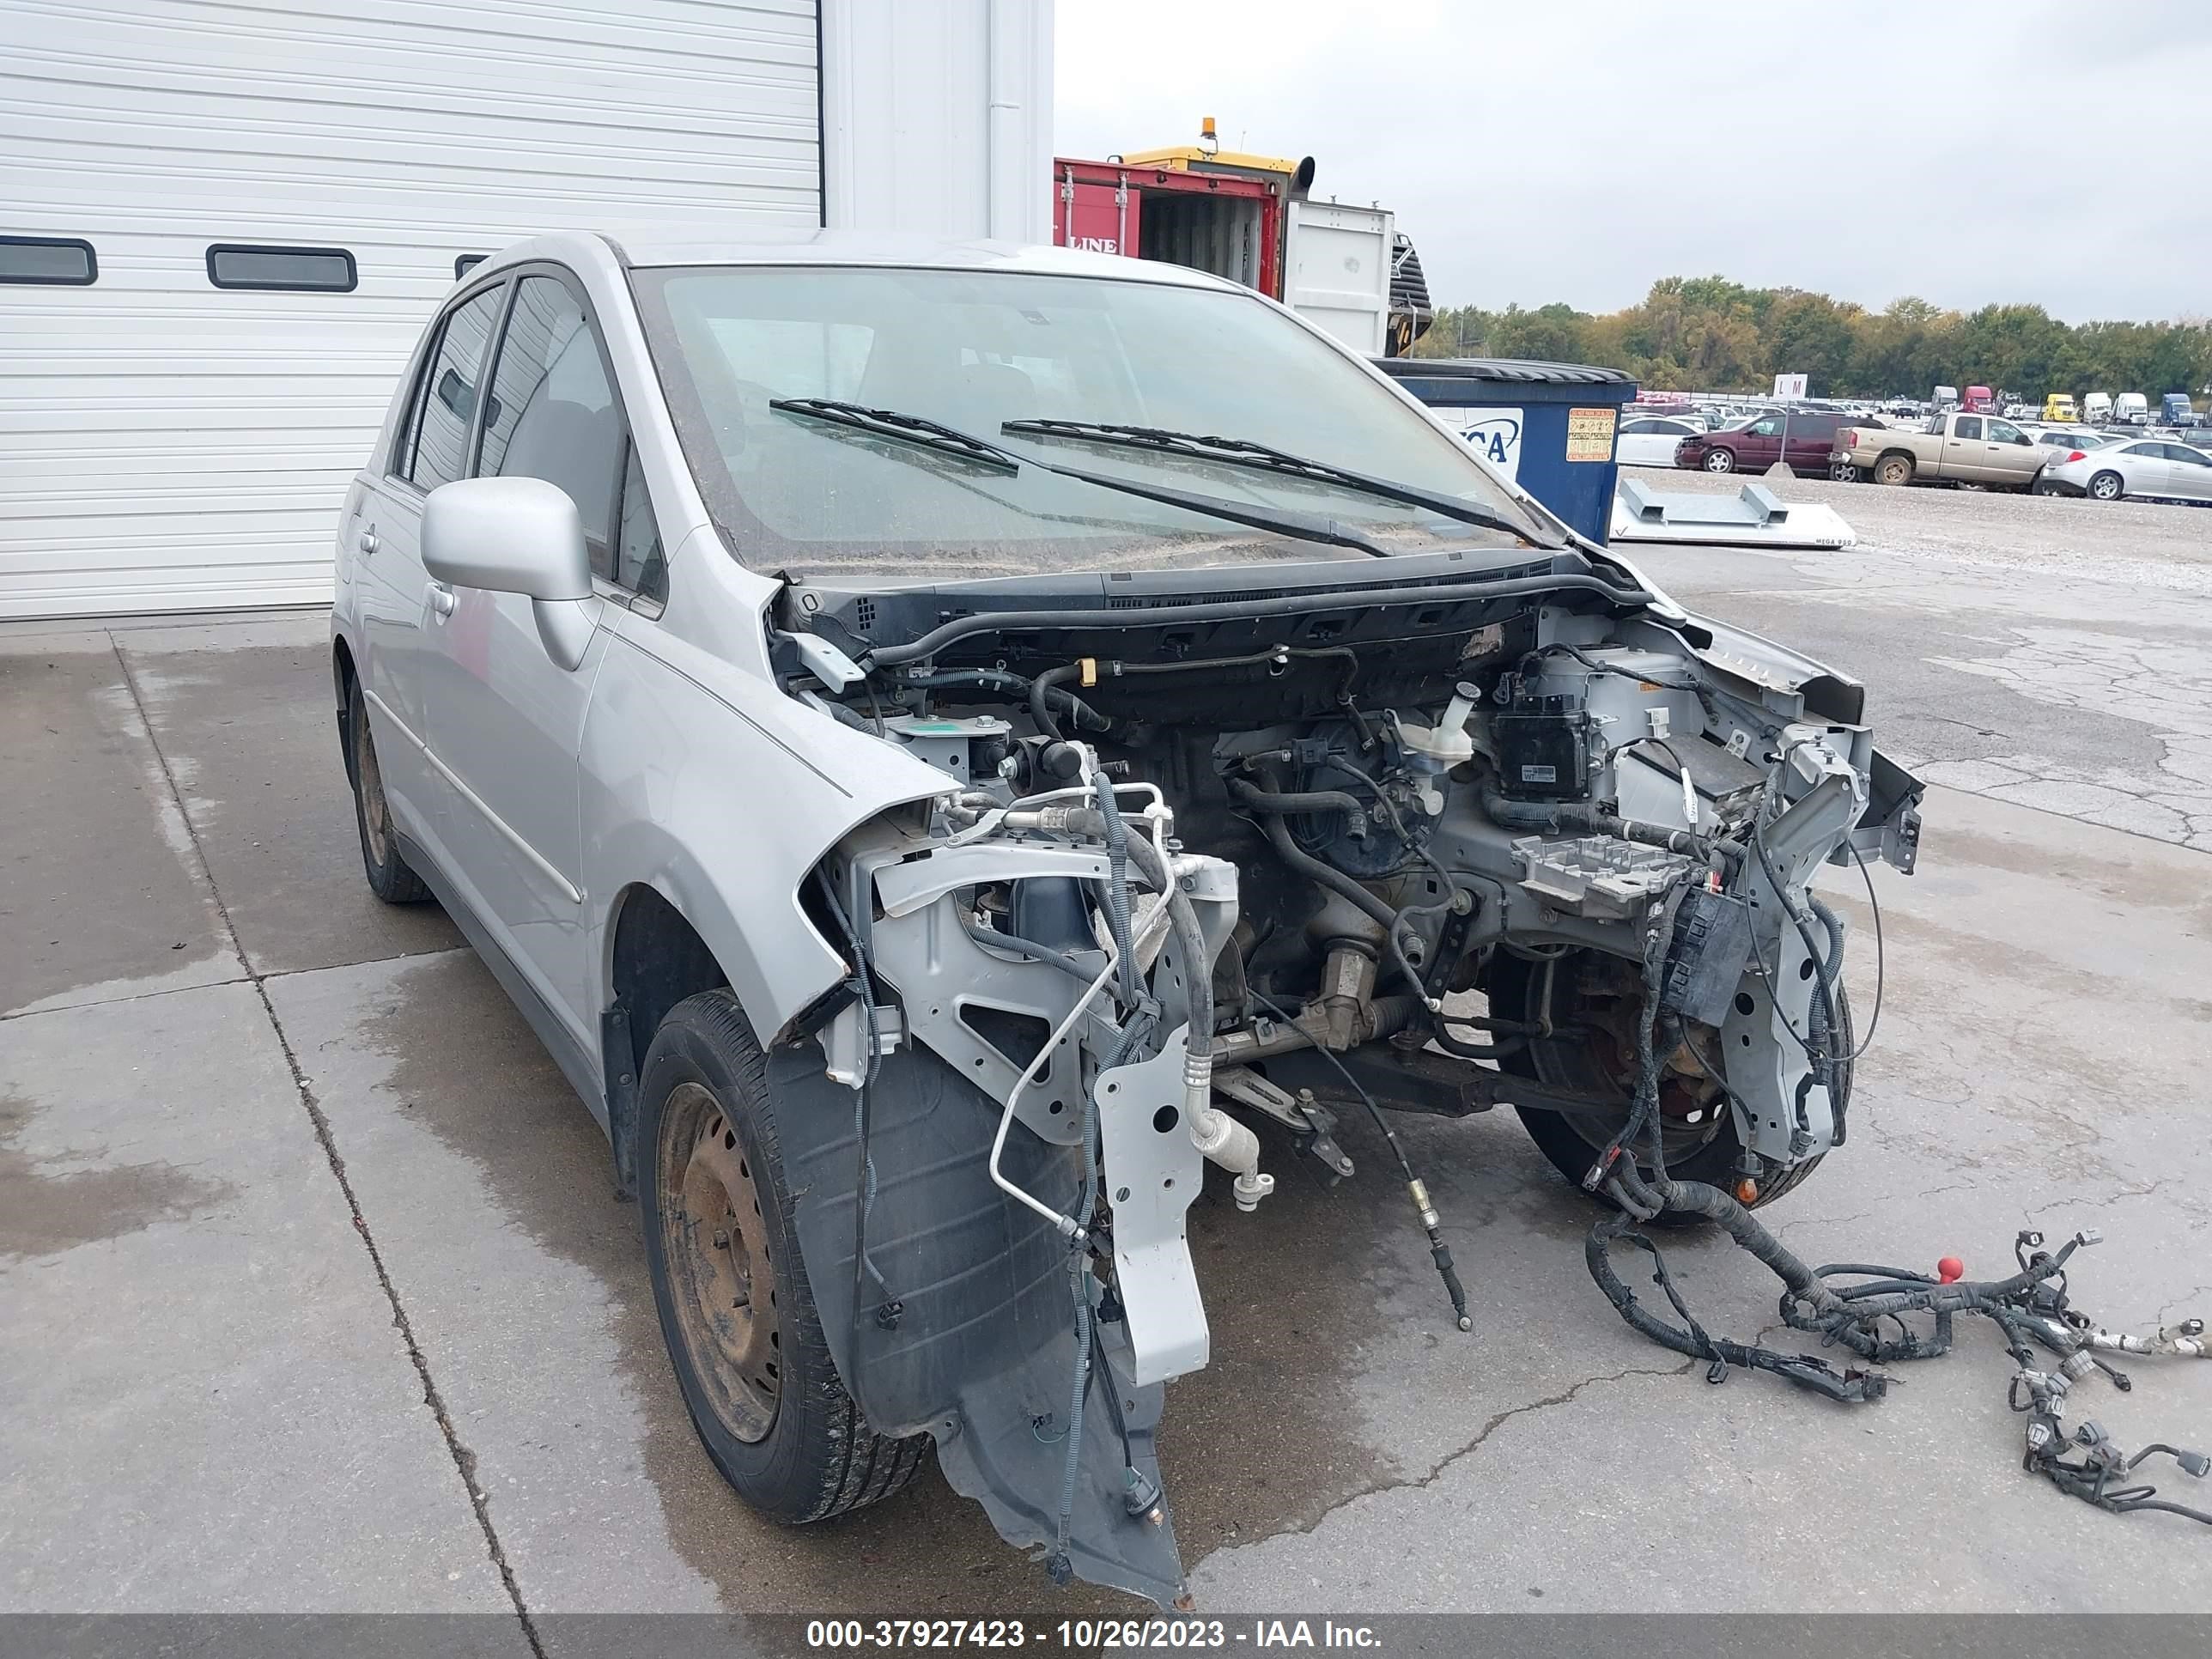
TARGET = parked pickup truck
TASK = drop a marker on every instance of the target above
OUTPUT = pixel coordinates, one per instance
(1951, 448)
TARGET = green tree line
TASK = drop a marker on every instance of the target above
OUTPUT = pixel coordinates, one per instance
(1708, 334)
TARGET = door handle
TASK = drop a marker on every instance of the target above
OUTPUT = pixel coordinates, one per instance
(441, 599)
(366, 541)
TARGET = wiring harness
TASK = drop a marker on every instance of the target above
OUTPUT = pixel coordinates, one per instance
(1864, 1309)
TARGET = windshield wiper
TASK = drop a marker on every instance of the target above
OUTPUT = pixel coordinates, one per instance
(1243, 452)
(914, 429)
(911, 428)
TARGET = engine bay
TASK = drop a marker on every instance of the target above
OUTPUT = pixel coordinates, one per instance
(1203, 879)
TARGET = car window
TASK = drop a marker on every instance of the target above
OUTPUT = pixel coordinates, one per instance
(553, 413)
(2005, 431)
(736, 347)
(640, 565)
(1968, 426)
(2187, 456)
(1765, 428)
(1630, 428)
(2153, 451)
(436, 451)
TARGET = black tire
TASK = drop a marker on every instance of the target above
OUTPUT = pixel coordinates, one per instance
(1516, 987)
(2107, 487)
(768, 1406)
(389, 877)
(1719, 460)
(1893, 470)
(1843, 472)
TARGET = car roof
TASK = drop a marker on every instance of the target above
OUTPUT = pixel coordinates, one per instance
(685, 245)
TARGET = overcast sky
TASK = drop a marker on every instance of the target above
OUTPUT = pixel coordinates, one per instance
(2023, 150)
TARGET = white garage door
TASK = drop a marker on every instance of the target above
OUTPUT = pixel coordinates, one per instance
(167, 444)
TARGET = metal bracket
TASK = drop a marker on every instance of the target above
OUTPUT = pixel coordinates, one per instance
(1153, 1171)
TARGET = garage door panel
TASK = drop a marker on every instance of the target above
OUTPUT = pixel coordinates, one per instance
(165, 444)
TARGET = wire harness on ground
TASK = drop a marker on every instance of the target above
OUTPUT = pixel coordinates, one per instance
(1864, 1309)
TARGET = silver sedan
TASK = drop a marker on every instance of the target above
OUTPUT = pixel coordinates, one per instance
(2148, 467)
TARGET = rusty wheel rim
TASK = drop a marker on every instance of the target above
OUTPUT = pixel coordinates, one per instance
(721, 1281)
(375, 818)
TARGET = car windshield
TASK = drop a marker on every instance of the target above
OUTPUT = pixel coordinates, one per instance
(973, 350)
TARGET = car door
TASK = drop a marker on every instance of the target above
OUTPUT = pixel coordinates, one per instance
(386, 528)
(1962, 448)
(505, 720)
(1649, 442)
(2009, 454)
(1812, 437)
(1759, 445)
(2189, 472)
(2144, 466)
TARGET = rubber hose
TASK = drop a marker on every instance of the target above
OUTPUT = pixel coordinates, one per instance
(993, 938)
(1040, 690)
(999, 679)
(1199, 972)
(1285, 802)
(1117, 886)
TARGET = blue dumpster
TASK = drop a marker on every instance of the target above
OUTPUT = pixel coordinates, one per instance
(1549, 426)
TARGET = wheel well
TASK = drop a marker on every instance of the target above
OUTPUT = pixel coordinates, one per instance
(341, 668)
(342, 672)
(1905, 455)
(658, 960)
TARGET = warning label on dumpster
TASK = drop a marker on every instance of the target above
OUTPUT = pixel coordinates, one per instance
(1589, 434)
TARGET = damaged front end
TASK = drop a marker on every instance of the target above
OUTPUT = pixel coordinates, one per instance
(1193, 877)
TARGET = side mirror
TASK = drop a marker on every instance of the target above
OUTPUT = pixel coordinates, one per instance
(509, 534)
(515, 535)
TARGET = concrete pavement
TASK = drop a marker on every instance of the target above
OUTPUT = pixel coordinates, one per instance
(318, 1297)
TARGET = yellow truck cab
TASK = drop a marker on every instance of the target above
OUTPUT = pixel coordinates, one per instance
(2058, 408)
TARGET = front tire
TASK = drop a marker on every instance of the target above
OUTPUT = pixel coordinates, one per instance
(1719, 460)
(389, 877)
(721, 1244)
(1594, 993)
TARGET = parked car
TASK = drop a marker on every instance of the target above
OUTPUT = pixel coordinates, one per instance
(2072, 438)
(1954, 448)
(1757, 444)
(926, 830)
(1651, 439)
(2138, 466)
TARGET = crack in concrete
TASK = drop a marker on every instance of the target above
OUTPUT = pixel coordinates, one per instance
(465, 1460)
(2180, 1302)
(1497, 1420)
